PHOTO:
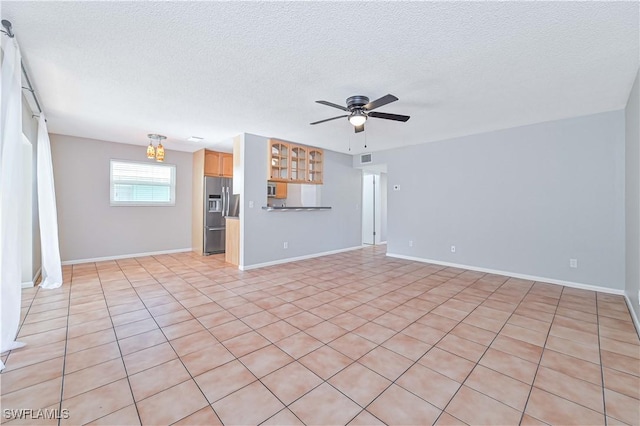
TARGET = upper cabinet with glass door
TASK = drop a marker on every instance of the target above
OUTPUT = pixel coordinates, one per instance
(279, 161)
(298, 163)
(294, 163)
(316, 159)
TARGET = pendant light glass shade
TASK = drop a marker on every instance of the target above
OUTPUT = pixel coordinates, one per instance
(151, 151)
(160, 153)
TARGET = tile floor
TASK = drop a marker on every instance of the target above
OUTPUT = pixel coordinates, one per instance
(355, 338)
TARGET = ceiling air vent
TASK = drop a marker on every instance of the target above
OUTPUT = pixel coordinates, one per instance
(365, 159)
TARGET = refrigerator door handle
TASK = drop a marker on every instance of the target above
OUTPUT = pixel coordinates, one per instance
(226, 198)
(228, 201)
(224, 195)
(224, 202)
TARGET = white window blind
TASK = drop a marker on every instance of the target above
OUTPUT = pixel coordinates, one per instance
(142, 184)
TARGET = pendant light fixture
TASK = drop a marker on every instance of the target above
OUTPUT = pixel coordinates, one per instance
(155, 152)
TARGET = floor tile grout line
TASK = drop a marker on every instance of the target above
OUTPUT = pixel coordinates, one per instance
(22, 323)
(434, 345)
(167, 341)
(328, 344)
(489, 346)
(378, 345)
(389, 289)
(294, 360)
(524, 408)
(237, 359)
(580, 359)
(116, 340)
(173, 349)
(604, 404)
(64, 359)
(297, 360)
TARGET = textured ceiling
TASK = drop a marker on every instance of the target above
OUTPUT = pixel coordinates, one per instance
(119, 70)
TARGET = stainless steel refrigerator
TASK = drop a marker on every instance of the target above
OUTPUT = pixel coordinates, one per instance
(219, 203)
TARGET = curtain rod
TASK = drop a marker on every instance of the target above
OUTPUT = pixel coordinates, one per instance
(7, 25)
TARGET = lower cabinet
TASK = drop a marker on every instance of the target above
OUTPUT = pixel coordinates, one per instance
(232, 241)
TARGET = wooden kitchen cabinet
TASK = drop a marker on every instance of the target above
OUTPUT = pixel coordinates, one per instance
(218, 164)
(232, 241)
(212, 163)
(281, 190)
(316, 162)
(298, 164)
(279, 161)
(226, 161)
(295, 163)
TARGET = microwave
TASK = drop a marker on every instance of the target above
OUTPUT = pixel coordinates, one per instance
(271, 189)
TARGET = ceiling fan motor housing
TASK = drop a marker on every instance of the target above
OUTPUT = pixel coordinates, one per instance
(356, 102)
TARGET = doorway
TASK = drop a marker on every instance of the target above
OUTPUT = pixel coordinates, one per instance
(374, 208)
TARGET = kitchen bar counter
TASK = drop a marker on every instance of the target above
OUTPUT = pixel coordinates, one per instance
(293, 208)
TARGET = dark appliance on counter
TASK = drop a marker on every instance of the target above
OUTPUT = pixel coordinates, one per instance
(271, 189)
(219, 203)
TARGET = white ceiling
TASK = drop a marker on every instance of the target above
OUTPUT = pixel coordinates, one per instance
(119, 70)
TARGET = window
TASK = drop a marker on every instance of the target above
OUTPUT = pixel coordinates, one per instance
(142, 184)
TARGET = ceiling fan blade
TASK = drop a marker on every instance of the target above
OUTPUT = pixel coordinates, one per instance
(332, 105)
(387, 99)
(395, 117)
(359, 128)
(329, 119)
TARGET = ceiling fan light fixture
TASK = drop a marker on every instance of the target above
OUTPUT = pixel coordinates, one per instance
(357, 118)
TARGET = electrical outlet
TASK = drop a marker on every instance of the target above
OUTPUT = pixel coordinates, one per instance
(250, 204)
(285, 245)
(453, 249)
(410, 243)
(573, 263)
(396, 187)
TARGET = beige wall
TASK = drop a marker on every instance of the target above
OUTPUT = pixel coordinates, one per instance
(89, 227)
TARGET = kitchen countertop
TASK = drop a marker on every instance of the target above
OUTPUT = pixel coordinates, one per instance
(293, 208)
(232, 217)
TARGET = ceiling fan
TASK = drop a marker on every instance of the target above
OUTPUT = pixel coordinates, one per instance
(359, 109)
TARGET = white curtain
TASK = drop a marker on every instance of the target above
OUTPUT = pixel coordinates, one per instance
(51, 266)
(10, 196)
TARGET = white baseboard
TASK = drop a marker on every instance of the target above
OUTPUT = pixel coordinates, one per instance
(634, 316)
(125, 256)
(29, 284)
(513, 274)
(293, 259)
